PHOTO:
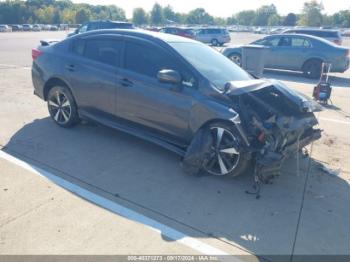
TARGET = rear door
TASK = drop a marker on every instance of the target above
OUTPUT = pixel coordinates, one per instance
(144, 100)
(203, 36)
(93, 72)
(292, 52)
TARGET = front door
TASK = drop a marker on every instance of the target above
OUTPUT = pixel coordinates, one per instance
(144, 100)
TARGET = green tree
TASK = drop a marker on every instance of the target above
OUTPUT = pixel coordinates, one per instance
(263, 14)
(157, 14)
(232, 20)
(311, 14)
(199, 16)
(82, 16)
(274, 20)
(139, 16)
(220, 21)
(68, 16)
(116, 13)
(290, 20)
(342, 18)
(246, 17)
(169, 14)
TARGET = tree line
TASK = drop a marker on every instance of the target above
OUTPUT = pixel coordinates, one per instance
(66, 12)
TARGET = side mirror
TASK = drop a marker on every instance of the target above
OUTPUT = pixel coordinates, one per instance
(169, 76)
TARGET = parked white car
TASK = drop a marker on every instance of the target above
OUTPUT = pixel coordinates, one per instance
(36, 28)
(214, 36)
(5, 28)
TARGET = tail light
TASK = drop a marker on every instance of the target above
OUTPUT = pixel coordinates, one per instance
(36, 53)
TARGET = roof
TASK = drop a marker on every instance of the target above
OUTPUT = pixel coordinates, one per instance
(146, 34)
(312, 30)
(111, 21)
(316, 38)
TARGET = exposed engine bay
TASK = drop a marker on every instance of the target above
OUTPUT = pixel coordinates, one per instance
(274, 122)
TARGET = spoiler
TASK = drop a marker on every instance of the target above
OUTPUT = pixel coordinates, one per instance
(47, 42)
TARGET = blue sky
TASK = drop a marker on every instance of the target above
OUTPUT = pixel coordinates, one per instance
(222, 8)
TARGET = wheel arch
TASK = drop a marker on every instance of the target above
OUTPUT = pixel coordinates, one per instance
(208, 111)
(227, 52)
(216, 120)
(312, 58)
(54, 81)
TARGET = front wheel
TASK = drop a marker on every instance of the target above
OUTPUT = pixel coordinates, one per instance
(214, 42)
(236, 58)
(62, 106)
(225, 157)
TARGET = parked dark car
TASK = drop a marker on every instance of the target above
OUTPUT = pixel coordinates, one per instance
(296, 52)
(185, 32)
(16, 28)
(177, 93)
(101, 24)
(330, 35)
(54, 28)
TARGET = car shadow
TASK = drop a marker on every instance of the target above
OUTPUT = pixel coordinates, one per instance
(337, 109)
(150, 180)
(335, 80)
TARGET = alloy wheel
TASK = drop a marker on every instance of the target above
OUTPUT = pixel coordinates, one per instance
(60, 107)
(236, 59)
(224, 156)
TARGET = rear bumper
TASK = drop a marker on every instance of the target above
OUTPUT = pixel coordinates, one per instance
(341, 67)
(38, 82)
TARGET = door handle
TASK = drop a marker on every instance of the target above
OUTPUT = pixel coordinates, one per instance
(126, 82)
(70, 68)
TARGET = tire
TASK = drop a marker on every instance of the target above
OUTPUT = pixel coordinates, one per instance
(214, 42)
(236, 58)
(62, 106)
(225, 158)
(312, 68)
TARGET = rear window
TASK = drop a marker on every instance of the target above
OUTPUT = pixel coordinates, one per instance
(106, 51)
(214, 31)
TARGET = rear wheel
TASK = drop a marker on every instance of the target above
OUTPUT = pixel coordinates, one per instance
(214, 42)
(62, 106)
(225, 158)
(312, 68)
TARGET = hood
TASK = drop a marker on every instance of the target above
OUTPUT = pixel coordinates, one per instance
(232, 47)
(301, 101)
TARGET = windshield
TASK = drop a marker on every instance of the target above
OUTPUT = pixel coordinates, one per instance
(210, 63)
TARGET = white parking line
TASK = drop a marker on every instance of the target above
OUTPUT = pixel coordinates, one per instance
(334, 120)
(118, 209)
(15, 66)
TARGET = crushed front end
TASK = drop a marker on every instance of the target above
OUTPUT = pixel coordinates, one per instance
(277, 121)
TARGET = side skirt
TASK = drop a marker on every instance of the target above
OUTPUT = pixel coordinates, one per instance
(132, 130)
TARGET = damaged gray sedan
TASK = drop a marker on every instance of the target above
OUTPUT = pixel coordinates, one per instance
(177, 93)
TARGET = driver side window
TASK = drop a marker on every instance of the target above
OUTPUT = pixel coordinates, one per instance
(148, 60)
(271, 41)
